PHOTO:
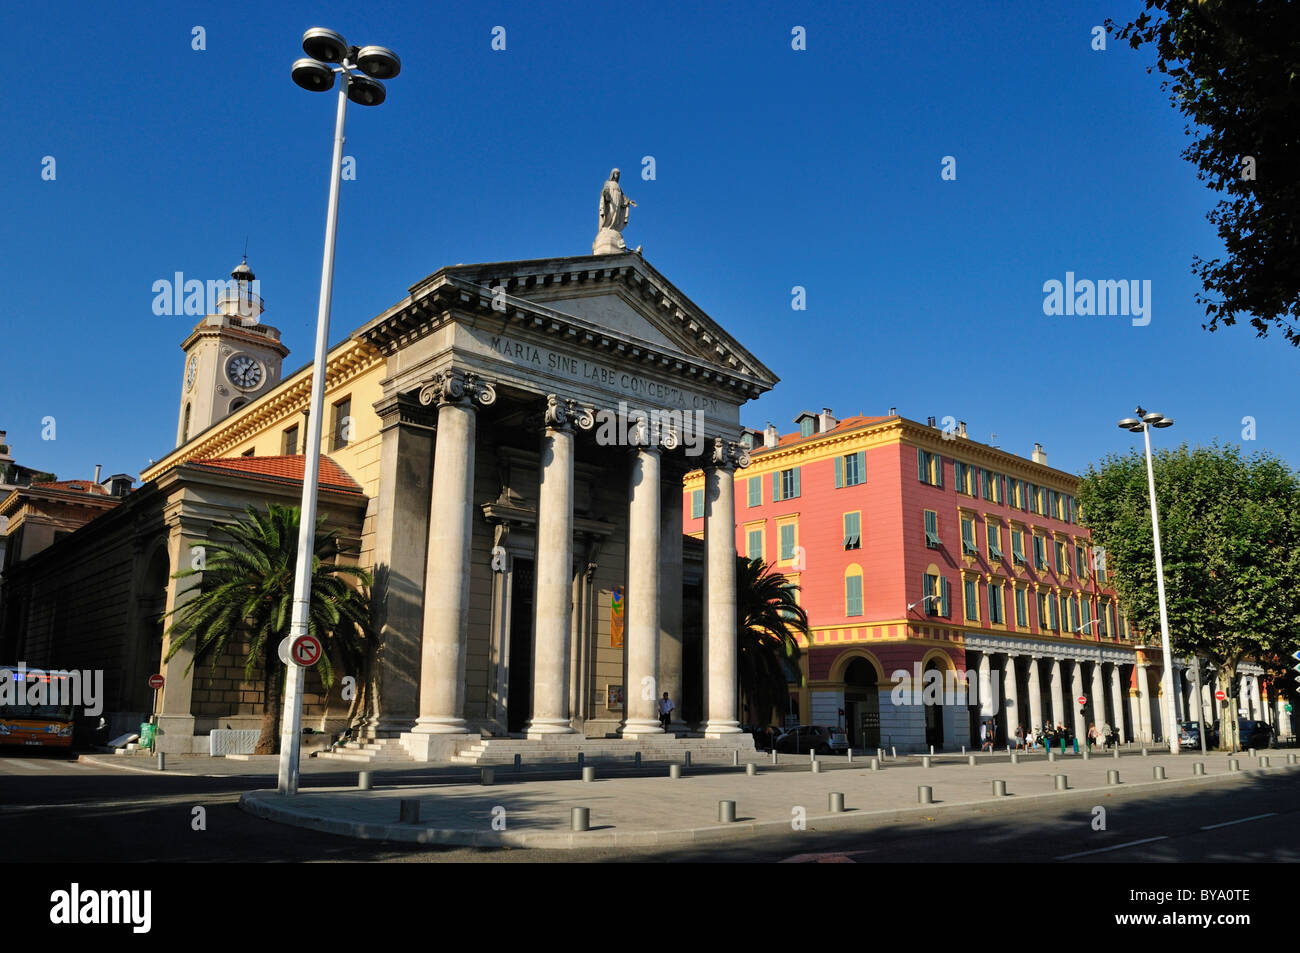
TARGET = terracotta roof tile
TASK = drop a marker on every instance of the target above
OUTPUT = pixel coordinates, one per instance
(82, 486)
(284, 469)
(848, 423)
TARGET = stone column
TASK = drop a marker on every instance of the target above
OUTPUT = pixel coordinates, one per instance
(553, 602)
(1256, 703)
(986, 686)
(1117, 702)
(1142, 703)
(670, 593)
(720, 697)
(1076, 690)
(1208, 703)
(1035, 695)
(1058, 696)
(401, 537)
(1012, 692)
(446, 579)
(642, 638)
(175, 716)
(1099, 703)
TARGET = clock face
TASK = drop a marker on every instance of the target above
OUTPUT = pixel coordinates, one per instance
(191, 371)
(244, 372)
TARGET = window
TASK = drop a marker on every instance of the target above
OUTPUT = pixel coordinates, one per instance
(697, 504)
(1031, 497)
(968, 547)
(755, 486)
(1078, 560)
(1075, 624)
(251, 451)
(785, 485)
(936, 586)
(1018, 546)
(806, 427)
(929, 468)
(1044, 616)
(986, 485)
(851, 470)
(971, 592)
(1040, 552)
(853, 593)
(995, 603)
(342, 427)
(1114, 626)
(1022, 608)
(754, 544)
(1054, 619)
(963, 477)
(1085, 617)
(291, 441)
(1065, 611)
(185, 427)
(994, 533)
(932, 530)
(787, 542)
(852, 530)
(1060, 556)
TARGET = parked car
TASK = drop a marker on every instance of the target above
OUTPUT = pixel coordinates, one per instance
(818, 738)
(764, 735)
(1255, 734)
(1189, 735)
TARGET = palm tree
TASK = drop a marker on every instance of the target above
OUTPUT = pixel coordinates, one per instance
(768, 619)
(247, 592)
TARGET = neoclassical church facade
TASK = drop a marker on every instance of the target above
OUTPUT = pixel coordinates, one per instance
(487, 456)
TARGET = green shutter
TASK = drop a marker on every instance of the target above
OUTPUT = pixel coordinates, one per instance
(796, 482)
(776, 486)
(862, 466)
(839, 472)
(920, 466)
(943, 596)
(853, 595)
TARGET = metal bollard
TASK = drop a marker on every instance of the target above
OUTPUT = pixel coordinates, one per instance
(963, 749)
(932, 749)
(1252, 752)
(1015, 757)
(880, 753)
(1145, 753)
(1062, 783)
(735, 759)
(1085, 754)
(1234, 764)
(999, 789)
(850, 756)
(1198, 767)
(487, 776)
(589, 773)
(408, 811)
(1263, 761)
(726, 812)
(674, 771)
(363, 781)
(1051, 756)
(688, 759)
(893, 752)
(816, 767)
(519, 761)
(836, 801)
(1158, 772)
(1290, 758)
(925, 760)
(925, 794)
(1117, 752)
(580, 819)
(1112, 776)
(581, 759)
(875, 764)
(162, 761)
(751, 769)
(812, 756)
(970, 759)
(774, 756)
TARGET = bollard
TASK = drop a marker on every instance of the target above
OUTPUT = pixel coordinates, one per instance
(850, 756)
(1263, 761)
(688, 759)
(589, 773)
(925, 794)
(408, 811)
(1290, 758)
(636, 760)
(925, 760)
(812, 756)
(893, 752)
(1252, 752)
(1062, 783)
(1112, 776)
(726, 812)
(162, 761)
(932, 750)
(970, 759)
(1145, 753)
(1008, 749)
(963, 749)
(1085, 754)
(1117, 752)
(581, 759)
(735, 759)
(880, 753)
(1234, 764)
(674, 771)
(875, 764)
(519, 761)
(836, 801)
(1198, 767)
(999, 789)
(816, 767)
(580, 819)
(1015, 757)
(1158, 772)
(774, 756)
(1051, 756)
(487, 776)
(363, 781)
(751, 769)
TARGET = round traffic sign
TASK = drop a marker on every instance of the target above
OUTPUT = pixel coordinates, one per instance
(305, 650)
(1221, 694)
(155, 682)
(1083, 699)
(283, 650)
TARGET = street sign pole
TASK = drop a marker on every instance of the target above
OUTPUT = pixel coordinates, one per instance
(1200, 706)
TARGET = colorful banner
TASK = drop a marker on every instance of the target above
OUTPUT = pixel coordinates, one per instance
(616, 618)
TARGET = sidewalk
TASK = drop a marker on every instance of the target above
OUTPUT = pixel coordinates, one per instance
(642, 811)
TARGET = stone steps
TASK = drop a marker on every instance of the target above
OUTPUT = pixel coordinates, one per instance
(494, 751)
(368, 752)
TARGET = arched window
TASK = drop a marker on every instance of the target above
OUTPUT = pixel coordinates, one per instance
(237, 403)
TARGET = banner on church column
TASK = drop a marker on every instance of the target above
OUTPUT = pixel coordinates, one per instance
(616, 618)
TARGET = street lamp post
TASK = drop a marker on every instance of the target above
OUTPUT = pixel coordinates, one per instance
(327, 54)
(1144, 422)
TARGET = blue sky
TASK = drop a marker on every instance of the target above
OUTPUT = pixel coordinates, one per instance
(774, 168)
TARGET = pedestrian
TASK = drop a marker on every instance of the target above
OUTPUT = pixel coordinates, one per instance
(665, 711)
(1092, 735)
(1020, 736)
(1060, 733)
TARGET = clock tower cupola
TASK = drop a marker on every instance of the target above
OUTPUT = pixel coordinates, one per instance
(231, 357)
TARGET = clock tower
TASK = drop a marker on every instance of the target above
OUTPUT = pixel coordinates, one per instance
(231, 358)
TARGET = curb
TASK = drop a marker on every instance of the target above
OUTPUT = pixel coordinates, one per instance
(262, 804)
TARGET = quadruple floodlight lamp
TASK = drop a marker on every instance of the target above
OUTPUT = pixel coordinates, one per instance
(362, 67)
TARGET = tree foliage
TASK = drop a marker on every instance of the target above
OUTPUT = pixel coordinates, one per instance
(1230, 538)
(768, 620)
(1233, 70)
(246, 592)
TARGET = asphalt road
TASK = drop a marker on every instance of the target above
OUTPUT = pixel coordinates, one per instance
(62, 811)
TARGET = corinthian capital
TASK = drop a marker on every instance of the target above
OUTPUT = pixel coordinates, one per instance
(454, 386)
